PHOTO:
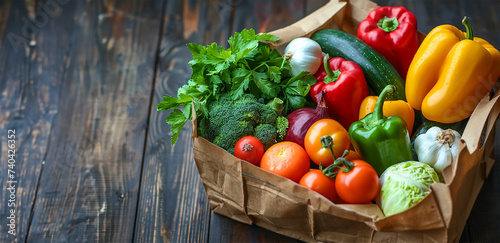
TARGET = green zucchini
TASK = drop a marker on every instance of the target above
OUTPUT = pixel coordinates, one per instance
(419, 120)
(377, 70)
(457, 126)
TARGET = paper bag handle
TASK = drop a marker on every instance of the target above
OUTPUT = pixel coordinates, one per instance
(309, 24)
(194, 122)
(485, 114)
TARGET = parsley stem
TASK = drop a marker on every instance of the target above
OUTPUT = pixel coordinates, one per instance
(262, 64)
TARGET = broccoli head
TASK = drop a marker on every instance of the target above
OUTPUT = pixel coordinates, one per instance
(231, 132)
(270, 134)
(231, 119)
(282, 125)
(204, 129)
(267, 134)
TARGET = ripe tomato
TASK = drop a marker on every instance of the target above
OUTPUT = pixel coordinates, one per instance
(319, 182)
(287, 159)
(314, 147)
(359, 185)
(249, 148)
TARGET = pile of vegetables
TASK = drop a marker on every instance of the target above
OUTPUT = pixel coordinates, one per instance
(354, 118)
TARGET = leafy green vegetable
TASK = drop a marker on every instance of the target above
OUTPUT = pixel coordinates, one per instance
(404, 185)
(249, 65)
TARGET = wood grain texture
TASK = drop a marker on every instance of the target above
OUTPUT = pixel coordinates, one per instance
(484, 220)
(5, 9)
(311, 6)
(88, 189)
(173, 205)
(29, 86)
(264, 16)
(14, 76)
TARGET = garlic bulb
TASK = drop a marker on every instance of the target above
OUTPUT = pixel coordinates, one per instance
(304, 54)
(437, 147)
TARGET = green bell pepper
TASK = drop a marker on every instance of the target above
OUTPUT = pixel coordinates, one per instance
(381, 141)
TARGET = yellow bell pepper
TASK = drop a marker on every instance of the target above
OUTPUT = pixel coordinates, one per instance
(391, 108)
(450, 73)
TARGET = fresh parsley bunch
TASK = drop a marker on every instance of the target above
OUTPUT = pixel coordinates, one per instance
(249, 65)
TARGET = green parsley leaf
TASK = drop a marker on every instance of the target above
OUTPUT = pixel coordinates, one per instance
(176, 119)
(168, 103)
(296, 101)
(187, 111)
(242, 47)
(267, 37)
(262, 81)
(274, 73)
(241, 80)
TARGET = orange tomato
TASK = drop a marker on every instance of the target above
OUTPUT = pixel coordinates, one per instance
(287, 159)
(314, 147)
(320, 183)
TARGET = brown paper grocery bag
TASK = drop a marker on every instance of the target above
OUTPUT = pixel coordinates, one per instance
(248, 194)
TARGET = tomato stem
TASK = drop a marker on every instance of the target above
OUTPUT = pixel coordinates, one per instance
(327, 142)
(247, 147)
(331, 172)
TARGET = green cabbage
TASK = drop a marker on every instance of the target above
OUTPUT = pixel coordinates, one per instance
(404, 185)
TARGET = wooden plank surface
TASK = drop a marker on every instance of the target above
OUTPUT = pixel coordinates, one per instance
(16, 198)
(173, 205)
(89, 185)
(29, 87)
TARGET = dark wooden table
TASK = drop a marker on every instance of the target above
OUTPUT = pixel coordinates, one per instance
(79, 81)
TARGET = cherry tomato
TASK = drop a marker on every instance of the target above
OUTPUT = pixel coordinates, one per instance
(359, 185)
(319, 182)
(313, 144)
(249, 148)
(287, 159)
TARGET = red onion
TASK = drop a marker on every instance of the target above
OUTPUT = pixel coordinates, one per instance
(301, 120)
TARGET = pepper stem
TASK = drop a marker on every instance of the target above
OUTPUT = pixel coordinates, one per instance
(388, 24)
(468, 27)
(378, 112)
(331, 76)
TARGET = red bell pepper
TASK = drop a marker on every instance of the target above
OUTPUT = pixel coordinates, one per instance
(342, 86)
(392, 31)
